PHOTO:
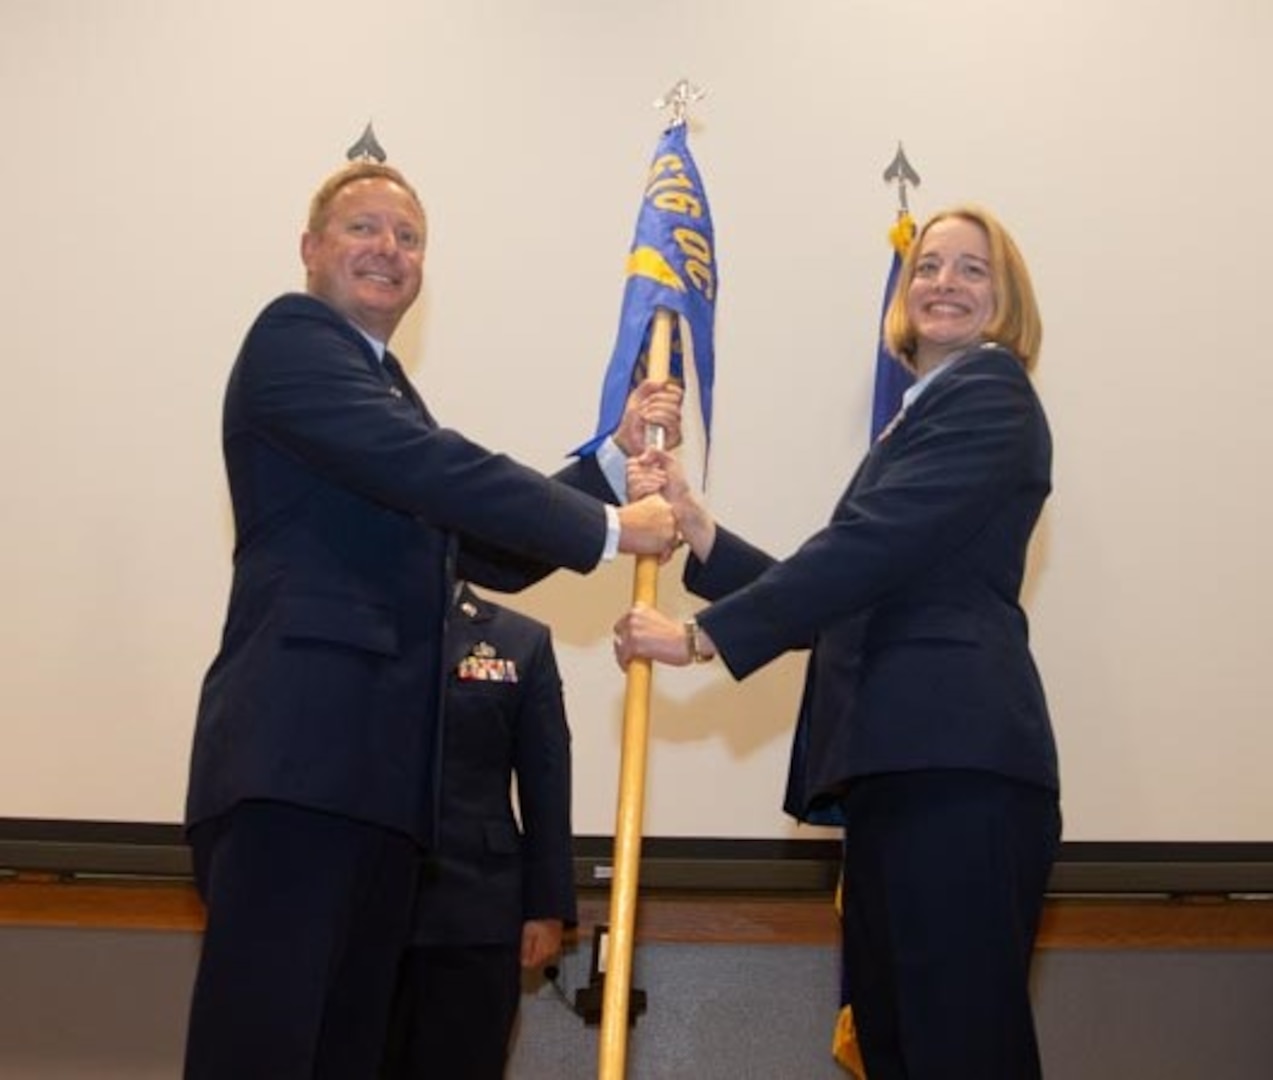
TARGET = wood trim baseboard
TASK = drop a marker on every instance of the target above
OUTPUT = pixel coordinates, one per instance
(44, 900)
(694, 917)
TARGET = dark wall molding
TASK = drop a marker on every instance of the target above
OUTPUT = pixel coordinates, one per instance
(151, 850)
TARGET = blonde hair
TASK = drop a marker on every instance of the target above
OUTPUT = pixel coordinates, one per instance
(1015, 324)
(320, 204)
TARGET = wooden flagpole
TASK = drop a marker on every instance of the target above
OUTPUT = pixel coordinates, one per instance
(631, 806)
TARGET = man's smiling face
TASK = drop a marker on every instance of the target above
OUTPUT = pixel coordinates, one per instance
(367, 258)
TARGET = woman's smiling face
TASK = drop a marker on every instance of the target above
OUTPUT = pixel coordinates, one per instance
(951, 297)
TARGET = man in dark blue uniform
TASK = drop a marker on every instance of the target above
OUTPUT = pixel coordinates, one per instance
(316, 756)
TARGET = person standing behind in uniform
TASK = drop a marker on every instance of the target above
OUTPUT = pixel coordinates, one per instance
(495, 897)
(316, 755)
(923, 718)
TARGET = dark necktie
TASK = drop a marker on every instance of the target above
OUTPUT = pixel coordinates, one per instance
(402, 387)
(396, 375)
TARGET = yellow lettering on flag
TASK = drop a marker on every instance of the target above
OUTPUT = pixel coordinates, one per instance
(649, 263)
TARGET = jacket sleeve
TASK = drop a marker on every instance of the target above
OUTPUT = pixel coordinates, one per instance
(509, 571)
(306, 386)
(731, 564)
(542, 765)
(969, 446)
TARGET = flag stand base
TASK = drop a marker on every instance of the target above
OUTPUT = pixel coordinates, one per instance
(589, 999)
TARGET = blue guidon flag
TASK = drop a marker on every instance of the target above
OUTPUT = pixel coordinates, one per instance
(672, 265)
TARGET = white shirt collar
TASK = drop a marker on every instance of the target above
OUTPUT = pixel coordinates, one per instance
(379, 346)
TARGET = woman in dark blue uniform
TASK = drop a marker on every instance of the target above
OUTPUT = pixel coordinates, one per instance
(500, 889)
(923, 722)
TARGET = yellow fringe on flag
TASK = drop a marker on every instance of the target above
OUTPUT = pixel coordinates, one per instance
(844, 1039)
(902, 233)
(844, 1045)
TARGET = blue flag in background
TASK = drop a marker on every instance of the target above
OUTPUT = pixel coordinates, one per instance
(672, 265)
(891, 379)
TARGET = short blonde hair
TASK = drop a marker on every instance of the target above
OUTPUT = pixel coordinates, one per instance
(1015, 324)
(320, 204)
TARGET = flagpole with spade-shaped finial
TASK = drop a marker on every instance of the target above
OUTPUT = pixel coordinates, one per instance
(891, 377)
(367, 148)
(616, 998)
(901, 172)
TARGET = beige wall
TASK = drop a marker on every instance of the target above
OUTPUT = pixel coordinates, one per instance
(157, 162)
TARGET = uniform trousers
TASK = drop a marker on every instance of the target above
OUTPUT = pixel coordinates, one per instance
(308, 914)
(945, 874)
(454, 1013)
